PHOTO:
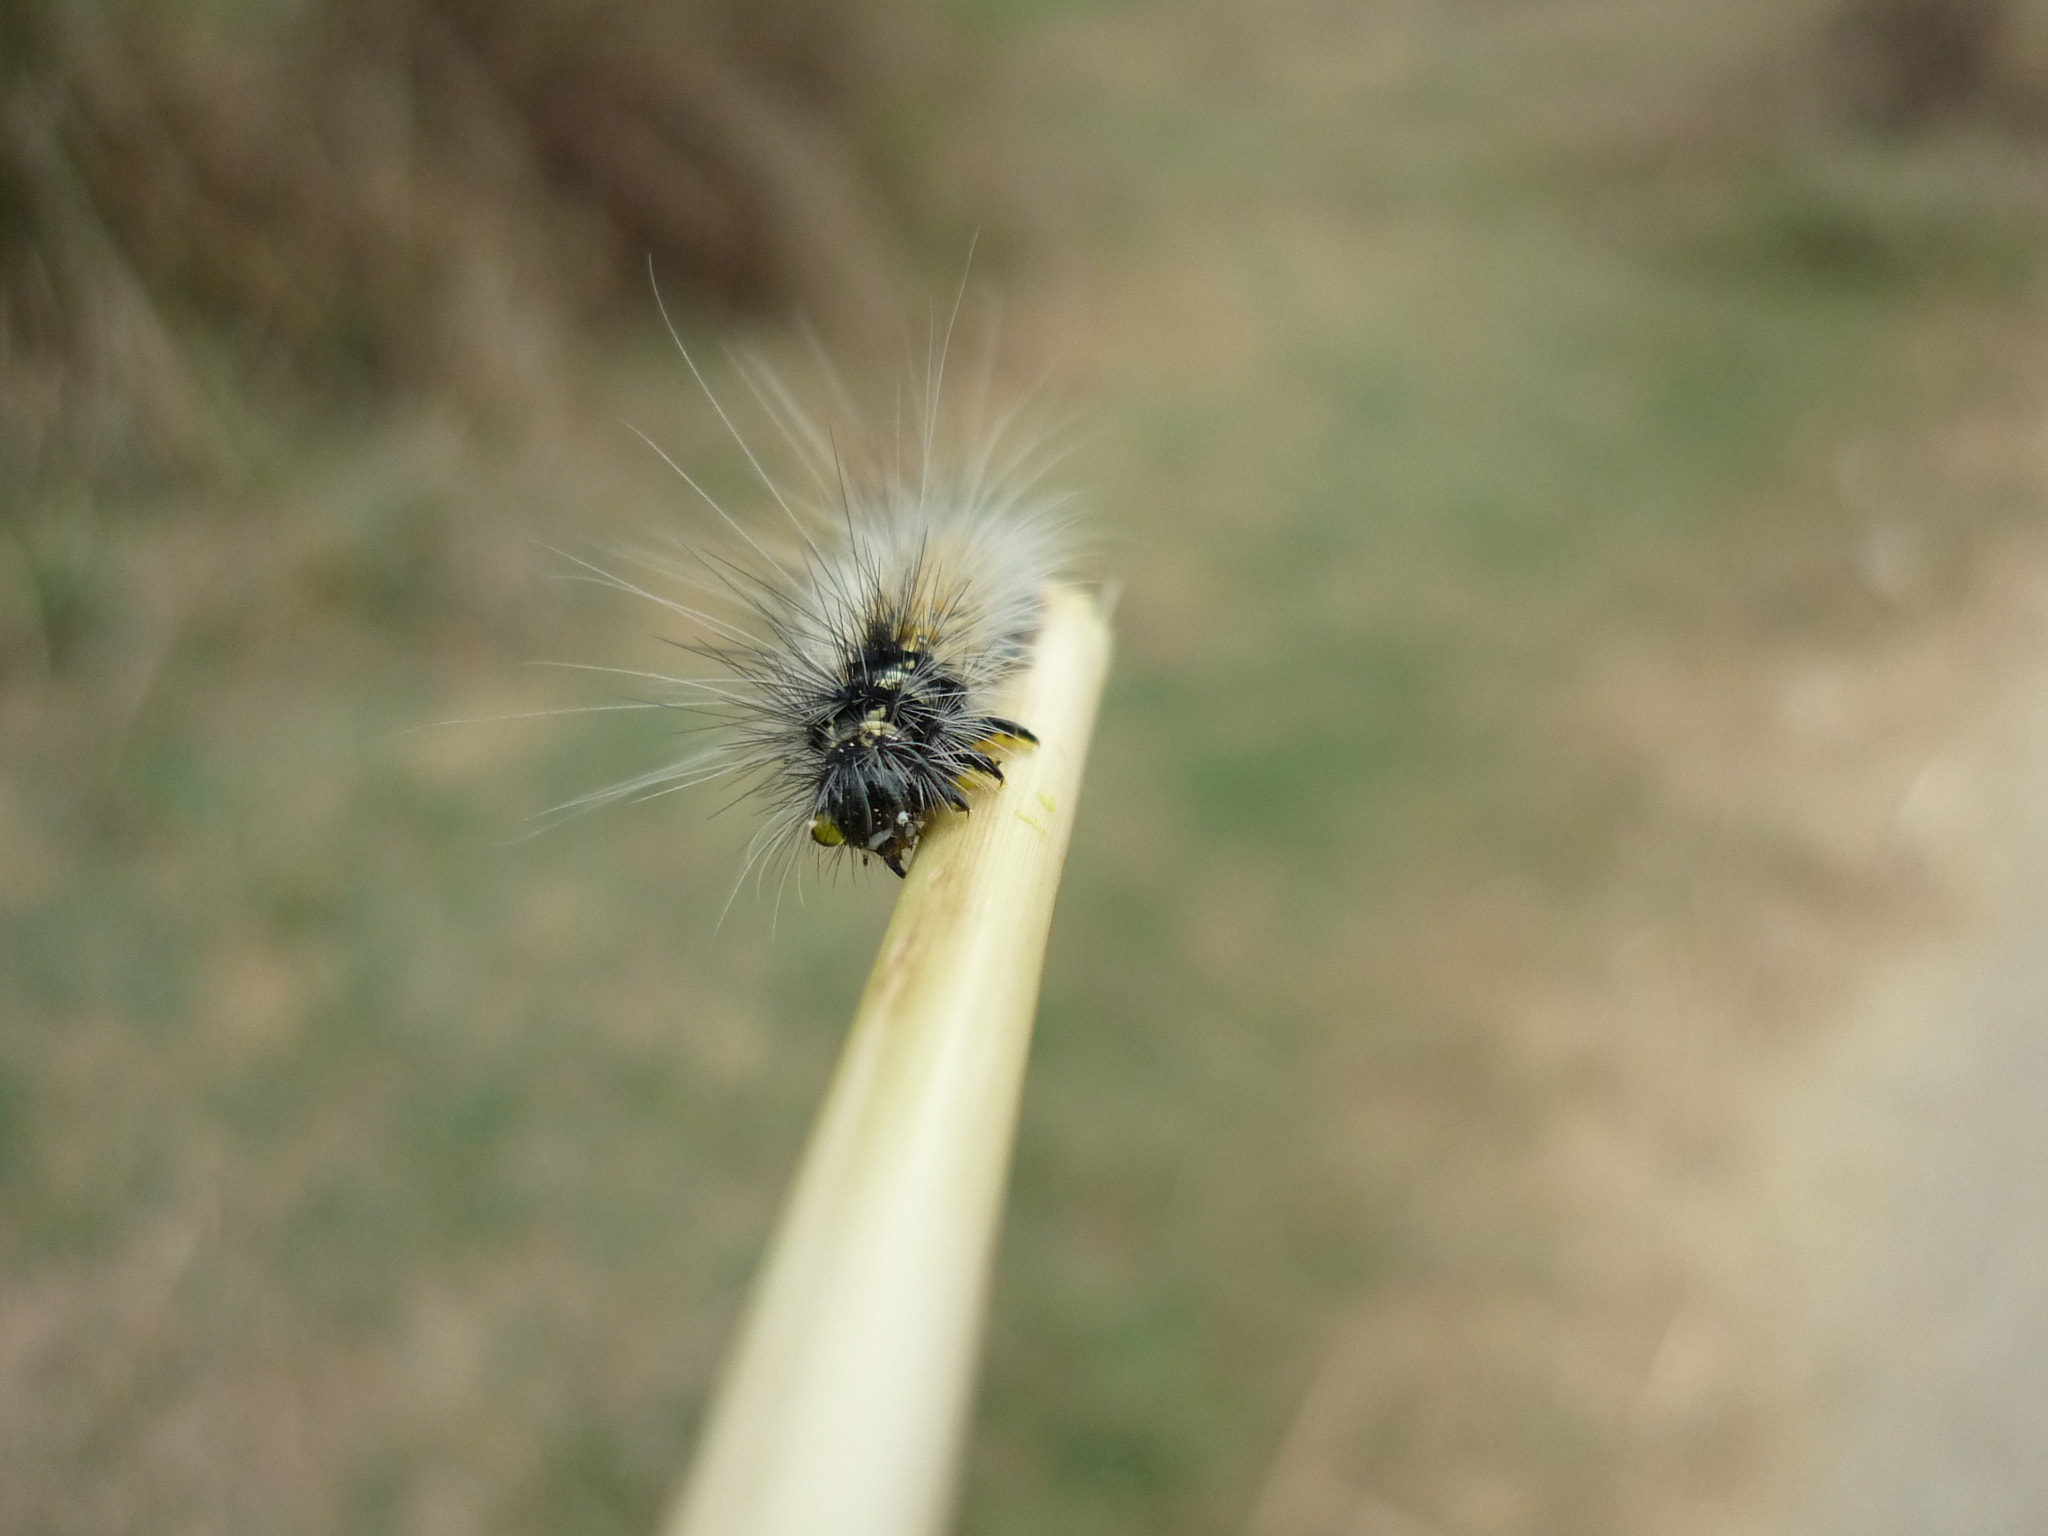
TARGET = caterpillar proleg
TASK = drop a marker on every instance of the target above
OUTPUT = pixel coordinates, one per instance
(855, 642)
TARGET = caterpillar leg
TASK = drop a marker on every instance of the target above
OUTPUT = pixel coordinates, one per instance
(1004, 735)
(981, 763)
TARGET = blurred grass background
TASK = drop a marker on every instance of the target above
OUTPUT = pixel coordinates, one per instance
(362, 1168)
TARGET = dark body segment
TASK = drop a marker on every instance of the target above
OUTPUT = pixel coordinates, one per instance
(896, 742)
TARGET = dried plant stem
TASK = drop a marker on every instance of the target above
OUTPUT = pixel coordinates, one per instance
(843, 1407)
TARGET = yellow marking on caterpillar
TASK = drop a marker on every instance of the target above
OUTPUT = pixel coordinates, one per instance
(1000, 741)
(1003, 741)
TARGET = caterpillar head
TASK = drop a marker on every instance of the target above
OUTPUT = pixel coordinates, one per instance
(878, 791)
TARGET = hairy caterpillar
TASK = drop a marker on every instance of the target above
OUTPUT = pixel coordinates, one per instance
(857, 641)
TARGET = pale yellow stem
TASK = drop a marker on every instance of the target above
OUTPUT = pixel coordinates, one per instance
(843, 1407)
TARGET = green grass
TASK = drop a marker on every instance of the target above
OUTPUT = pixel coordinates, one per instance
(362, 1169)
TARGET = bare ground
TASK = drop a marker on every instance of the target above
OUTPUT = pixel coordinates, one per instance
(1796, 1278)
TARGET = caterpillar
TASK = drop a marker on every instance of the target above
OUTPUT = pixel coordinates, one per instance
(857, 642)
